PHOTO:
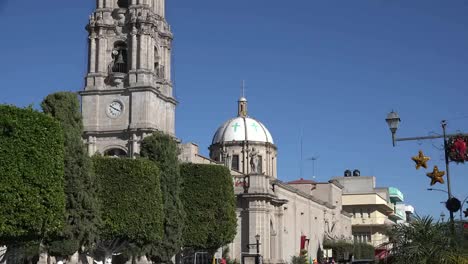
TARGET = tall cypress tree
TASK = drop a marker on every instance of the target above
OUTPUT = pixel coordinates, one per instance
(82, 214)
(163, 150)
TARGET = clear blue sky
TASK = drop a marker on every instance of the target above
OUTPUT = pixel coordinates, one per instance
(331, 68)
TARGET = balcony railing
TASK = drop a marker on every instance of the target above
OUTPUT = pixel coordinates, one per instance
(119, 67)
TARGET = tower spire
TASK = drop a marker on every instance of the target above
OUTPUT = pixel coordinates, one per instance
(242, 103)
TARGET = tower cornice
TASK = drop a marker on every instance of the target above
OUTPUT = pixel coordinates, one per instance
(131, 89)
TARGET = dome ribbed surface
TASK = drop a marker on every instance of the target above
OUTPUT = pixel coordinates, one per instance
(242, 129)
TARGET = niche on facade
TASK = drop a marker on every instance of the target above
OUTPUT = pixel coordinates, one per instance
(115, 152)
(118, 67)
(158, 67)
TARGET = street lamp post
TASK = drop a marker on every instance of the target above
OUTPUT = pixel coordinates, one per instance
(442, 216)
(257, 237)
(393, 120)
(257, 258)
(461, 208)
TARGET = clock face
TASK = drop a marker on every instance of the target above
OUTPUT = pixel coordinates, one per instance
(115, 109)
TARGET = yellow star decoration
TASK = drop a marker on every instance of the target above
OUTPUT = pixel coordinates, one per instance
(421, 160)
(436, 176)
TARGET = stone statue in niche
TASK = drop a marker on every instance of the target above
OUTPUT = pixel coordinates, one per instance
(92, 20)
(253, 161)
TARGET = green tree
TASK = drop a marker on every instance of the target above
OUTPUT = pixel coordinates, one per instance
(130, 195)
(424, 241)
(82, 210)
(301, 259)
(209, 202)
(163, 150)
(32, 200)
(341, 249)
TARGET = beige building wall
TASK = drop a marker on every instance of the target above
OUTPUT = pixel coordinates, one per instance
(281, 213)
(369, 206)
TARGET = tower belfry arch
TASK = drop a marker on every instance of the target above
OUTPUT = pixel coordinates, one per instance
(128, 91)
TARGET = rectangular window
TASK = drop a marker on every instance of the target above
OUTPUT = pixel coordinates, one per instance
(235, 162)
(362, 215)
(259, 165)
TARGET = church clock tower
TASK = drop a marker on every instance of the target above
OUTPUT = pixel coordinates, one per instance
(128, 92)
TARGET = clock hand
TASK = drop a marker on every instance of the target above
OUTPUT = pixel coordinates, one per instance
(118, 110)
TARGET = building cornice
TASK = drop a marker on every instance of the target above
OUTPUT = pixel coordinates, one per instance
(302, 194)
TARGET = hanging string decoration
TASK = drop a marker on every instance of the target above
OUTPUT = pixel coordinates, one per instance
(436, 176)
(457, 148)
(421, 160)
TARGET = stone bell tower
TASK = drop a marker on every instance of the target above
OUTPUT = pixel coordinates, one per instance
(128, 92)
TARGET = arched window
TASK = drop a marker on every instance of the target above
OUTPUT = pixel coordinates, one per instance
(235, 162)
(115, 152)
(122, 3)
(119, 57)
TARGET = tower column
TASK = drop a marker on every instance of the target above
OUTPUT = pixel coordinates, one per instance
(151, 54)
(142, 50)
(134, 45)
(162, 10)
(168, 67)
(92, 54)
(102, 47)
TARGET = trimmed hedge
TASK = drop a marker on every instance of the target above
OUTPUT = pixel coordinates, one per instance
(163, 150)
(130, 195)
(209, 202)
(32, 199)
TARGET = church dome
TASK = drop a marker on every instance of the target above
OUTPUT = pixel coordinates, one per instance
(242, 128)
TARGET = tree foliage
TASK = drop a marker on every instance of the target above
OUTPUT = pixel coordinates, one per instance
(301, 259)
(209, 202)
(32, 200)
(130, 195)
(424, 241)
(163, 150)
(342, 250)
(82, 210)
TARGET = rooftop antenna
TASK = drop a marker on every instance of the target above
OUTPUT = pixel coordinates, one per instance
(313, 159)
(302, 143)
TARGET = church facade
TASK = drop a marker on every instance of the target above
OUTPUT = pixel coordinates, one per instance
(286, 218)
(129, 94)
